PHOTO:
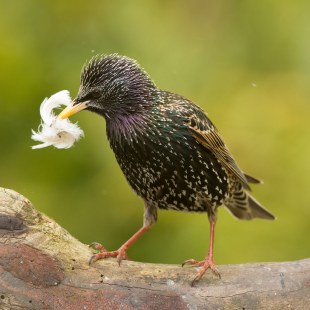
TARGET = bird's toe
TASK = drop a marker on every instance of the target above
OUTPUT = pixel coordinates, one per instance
(97, 246)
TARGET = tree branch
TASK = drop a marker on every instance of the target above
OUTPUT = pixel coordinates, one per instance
(43, 267)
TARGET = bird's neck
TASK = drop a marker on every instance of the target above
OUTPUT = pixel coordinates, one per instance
(126, 127)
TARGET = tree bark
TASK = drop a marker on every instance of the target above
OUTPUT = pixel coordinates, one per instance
(43, 267)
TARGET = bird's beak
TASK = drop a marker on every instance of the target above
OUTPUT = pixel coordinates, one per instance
(72, 109)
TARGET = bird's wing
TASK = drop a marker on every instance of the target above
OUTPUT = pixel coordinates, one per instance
(207, 135)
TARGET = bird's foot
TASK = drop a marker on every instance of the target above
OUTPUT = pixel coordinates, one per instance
(120, 254)
(205, 265)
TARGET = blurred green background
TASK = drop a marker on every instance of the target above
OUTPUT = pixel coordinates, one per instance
(245, 62)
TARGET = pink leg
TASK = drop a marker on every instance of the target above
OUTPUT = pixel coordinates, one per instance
(208, 262)
(121, 253)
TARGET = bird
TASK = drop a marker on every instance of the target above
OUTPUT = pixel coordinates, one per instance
(168, 149)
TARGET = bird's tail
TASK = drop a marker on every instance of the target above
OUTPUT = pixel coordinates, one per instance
(243, 206)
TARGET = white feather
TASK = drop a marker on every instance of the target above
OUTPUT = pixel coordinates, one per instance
(60, 133)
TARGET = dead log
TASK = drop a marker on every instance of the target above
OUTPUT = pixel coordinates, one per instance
(43, 267)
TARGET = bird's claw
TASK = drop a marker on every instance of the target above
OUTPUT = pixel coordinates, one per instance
(97, 246)
(192, 262)
(120, 254)
(205, 265)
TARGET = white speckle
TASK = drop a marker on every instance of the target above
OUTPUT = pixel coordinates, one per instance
(170, 282)
(253, 84)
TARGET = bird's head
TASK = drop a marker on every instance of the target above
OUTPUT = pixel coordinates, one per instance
(112, 85)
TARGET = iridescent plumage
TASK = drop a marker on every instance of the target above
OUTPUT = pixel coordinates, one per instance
(168, 149)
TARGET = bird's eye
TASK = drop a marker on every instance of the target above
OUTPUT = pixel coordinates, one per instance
(96, 94)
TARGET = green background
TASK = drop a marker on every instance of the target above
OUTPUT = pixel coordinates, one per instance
(246, 63)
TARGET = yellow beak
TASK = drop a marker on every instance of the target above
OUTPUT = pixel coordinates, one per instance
(72, 109)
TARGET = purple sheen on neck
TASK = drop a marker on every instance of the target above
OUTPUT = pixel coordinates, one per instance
(125, 126)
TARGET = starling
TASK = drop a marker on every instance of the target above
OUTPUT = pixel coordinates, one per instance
(168, 149)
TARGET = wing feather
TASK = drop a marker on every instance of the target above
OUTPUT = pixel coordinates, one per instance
(205, 133)
(210, 139)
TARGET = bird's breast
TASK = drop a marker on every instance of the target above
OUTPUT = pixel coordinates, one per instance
(167, 167)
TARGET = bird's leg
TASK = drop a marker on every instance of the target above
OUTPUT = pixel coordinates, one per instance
(121, 253)
(150, 217)
(208, 261)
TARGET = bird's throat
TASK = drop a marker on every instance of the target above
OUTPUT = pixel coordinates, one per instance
(126, 128)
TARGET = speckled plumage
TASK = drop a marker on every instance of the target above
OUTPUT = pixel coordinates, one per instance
(168, 149)
(165, 164)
